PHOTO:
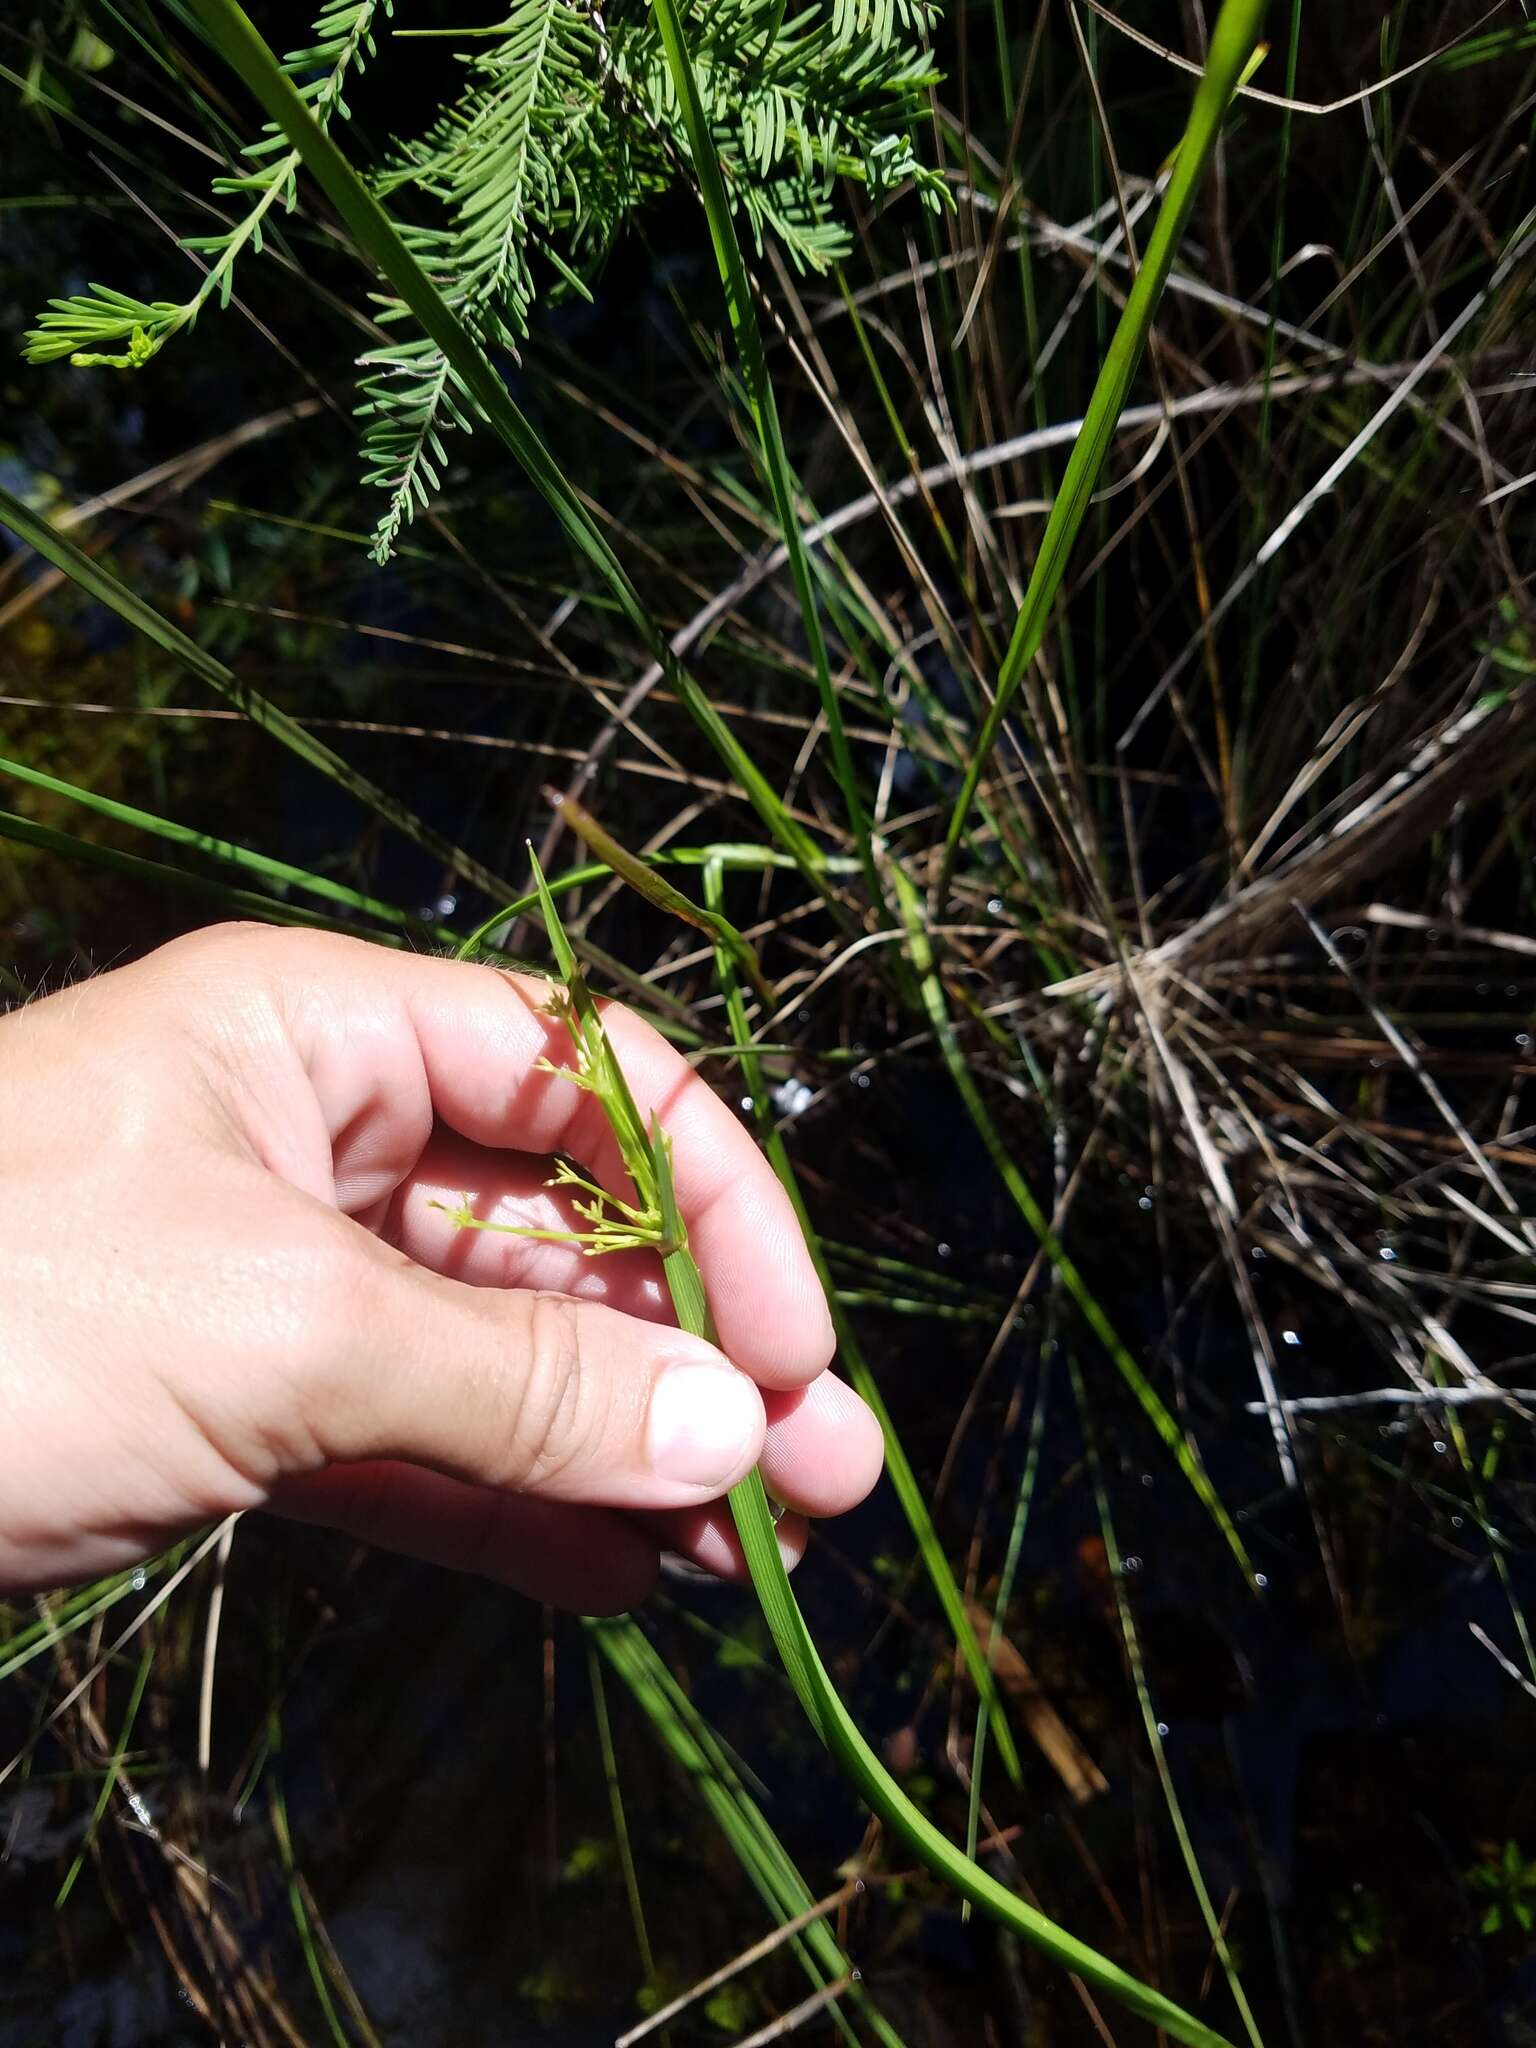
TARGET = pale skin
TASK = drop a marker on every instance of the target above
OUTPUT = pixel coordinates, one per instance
(229, 1285)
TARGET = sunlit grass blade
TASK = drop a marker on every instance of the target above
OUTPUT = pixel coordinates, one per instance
(730, 856)
(155, 874)
(769, 1868)
(645, 881)
(765, 416)
(885, 1797)
(1231, 49)
(1153, 1727)
(278, 873)
(1023, 1497)
(632, 1889)
(936, 1003)
(898, 1466)
(67, 1613)
(298, 1907)
(110, 1778)
(241, 44)
(98, 581)
(650, 1166)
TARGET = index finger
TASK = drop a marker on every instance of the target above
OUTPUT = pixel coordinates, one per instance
(480, 1035)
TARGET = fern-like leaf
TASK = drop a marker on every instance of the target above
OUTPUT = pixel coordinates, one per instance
(411, 399)
(510, 184)
(497, 164)
(565, 123)
(81, 327)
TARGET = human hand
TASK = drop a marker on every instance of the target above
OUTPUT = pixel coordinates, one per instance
(228, 1287)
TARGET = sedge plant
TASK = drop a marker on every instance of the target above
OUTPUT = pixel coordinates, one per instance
(608, 1222)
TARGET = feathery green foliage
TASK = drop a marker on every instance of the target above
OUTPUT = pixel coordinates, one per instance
(82, 327)
(569, 121)
(566, 122)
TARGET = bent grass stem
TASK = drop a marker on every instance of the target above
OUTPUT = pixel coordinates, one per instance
(647, 1157)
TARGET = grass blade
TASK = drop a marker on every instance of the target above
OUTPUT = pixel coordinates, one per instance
(897, 1464)
(768, 1865)
(97, 581)
(109, 1780)
(765, 416)
(621, 1837)
(1232, 47)
(937, 1005)
(156, 874)
(278, 873)
(1149, 1718)
(646, 882)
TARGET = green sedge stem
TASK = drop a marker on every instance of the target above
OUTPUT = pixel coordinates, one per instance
(765, 417)
(1232, 47)
(647, 1157)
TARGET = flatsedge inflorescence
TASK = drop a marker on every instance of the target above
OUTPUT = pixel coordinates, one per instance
(610, 1224)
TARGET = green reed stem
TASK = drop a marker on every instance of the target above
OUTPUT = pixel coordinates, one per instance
(1150, 1722)
(1231, 49)
(936, 1003)
(765, 417)
(648, 1158)
(278, 874)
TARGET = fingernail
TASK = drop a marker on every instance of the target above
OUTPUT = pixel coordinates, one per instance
(704, 1424)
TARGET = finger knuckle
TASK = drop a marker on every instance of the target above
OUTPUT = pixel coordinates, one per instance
(193, 951)
(557, 1407)
(246, 949)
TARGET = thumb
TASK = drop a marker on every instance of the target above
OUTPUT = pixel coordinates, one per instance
(534, 1392)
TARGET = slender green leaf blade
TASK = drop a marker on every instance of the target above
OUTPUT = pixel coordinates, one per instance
(765, 414)
(937, 1005)
(98, 581)
(156, 874)
(278, 873)
(1231, 49)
